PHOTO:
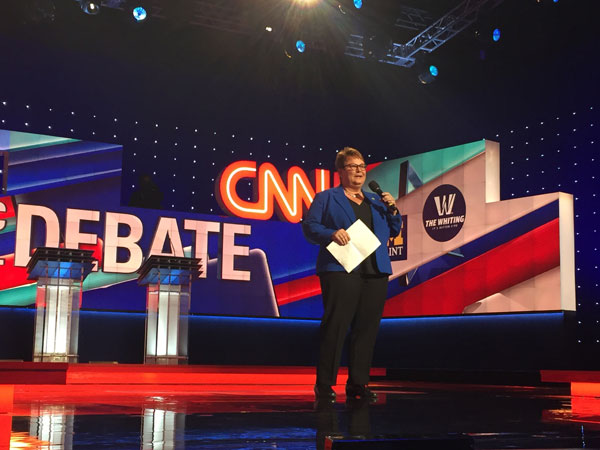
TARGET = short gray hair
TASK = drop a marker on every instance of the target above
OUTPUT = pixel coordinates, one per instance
(345, 153)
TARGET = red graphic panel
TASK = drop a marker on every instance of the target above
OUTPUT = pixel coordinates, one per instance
(507, 265)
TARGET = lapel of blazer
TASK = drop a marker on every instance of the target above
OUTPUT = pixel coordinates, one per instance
(372, 198)
(344, 203)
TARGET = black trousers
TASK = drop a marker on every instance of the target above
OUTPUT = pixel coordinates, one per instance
(353, 302)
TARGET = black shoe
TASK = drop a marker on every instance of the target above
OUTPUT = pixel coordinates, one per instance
(360, 391)
(324, 392)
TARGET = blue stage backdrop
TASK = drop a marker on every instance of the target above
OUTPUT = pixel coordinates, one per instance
(462, 250)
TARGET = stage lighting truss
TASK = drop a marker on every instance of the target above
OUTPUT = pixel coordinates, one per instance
(430, 38)
(431, 33)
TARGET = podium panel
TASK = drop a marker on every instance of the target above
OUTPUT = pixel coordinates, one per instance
(59, 273)
(168, 281)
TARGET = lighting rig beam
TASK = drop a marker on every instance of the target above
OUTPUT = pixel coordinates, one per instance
(428, 40)
(413, 18)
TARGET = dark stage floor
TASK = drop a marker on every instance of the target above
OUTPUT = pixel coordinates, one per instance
(286, 417)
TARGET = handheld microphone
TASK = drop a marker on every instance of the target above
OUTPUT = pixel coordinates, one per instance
(374, 186)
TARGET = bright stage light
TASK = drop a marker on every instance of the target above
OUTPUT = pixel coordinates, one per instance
(300, 46)
(358, 4)
(139, 13)
(90, 7)
(306, 2)
(496, 35)
(429, 75)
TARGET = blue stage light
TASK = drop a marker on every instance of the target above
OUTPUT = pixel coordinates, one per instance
(358, 4)
(139, 13)
(90, 7)
(300, 46)
(496, 35)
(428, 75)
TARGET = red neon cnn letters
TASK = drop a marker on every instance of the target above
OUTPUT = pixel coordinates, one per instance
(272, 193)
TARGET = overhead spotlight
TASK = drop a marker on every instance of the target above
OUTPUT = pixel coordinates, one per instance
(305, 2)
(496, 34)
(90, 7)
(358, 4)
(269, 29)
(300, 46)
(135, 9)
(429, 75)
(139, 13)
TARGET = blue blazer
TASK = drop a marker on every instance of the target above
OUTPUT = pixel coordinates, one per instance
(331, 210)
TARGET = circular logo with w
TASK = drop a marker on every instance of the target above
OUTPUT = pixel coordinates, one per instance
(444, 212)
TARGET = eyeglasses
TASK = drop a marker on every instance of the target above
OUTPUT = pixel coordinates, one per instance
(356, 166)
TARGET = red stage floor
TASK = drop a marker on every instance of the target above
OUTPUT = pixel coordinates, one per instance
(584, 383)
(134, 374)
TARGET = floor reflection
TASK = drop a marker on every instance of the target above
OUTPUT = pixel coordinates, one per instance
(52, 425)
(328, 420)
(25, 440)
(162, 429)
(494, 417)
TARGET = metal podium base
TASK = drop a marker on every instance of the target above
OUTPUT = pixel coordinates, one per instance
(56, 357)
(166, 360)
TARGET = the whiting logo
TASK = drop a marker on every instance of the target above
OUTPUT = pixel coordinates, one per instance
(444, 204)
(444, 213)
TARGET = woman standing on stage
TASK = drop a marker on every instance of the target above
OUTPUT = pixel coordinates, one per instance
(351, 300)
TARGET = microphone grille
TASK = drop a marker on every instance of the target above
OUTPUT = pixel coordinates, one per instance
(374, 186)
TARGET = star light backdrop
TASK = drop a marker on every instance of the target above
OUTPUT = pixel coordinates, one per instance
(552, 154)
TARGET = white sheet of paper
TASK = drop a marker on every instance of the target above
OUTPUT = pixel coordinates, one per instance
(362, 243)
